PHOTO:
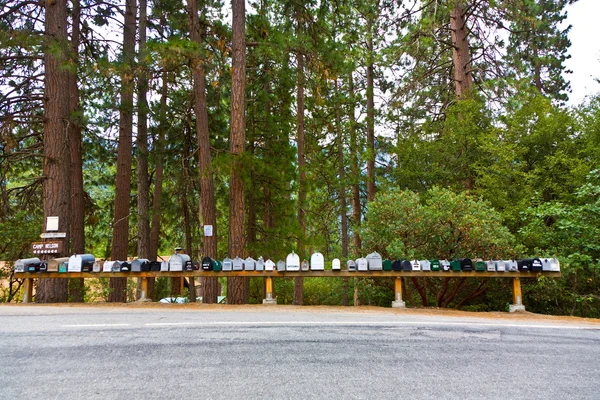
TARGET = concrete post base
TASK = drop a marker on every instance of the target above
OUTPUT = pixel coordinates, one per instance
(398, 304)
(516, 308)
(269, 301)
(144, 300)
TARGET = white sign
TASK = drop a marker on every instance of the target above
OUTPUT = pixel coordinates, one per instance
(208, 230)
(51, 223)
(53, 235)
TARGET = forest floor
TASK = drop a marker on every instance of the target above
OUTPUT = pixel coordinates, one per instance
(421, 311)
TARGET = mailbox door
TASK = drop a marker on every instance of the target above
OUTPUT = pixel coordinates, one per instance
(74, 263)
(107, 267)
(374, 262)
(227, 264)
(292, 262)
(238, 264)
(387, 265)
(479, 265)
(317, 262)
(351, 265)
(165, 266)
(406, 265)
(554, 265)
(269, 265)
(455, 265)
(435, 265)
(445, 265)
(466, 264)
(176, 263)
(425, 265)
(336, 264)
(500, 265)
(536, 265)
(207, 264)
(490, 266)
(397, 265)
(250, 264)
(217, 265)
(260, 264)
(361, 264)
(281, 266)
(155, 266)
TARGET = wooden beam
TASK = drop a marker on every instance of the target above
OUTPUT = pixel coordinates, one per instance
(517, 295)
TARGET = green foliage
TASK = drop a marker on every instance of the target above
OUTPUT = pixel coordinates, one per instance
(438, 224)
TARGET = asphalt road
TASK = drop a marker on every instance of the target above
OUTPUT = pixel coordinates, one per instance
(287, 353)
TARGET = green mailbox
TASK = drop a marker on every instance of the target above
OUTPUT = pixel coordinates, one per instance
(387, 265)
(455, 265)
(480, 265)
(435, 265)
(217, 265)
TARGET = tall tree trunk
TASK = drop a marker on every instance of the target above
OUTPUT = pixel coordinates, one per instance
(370, 114)
(118, 286)
(56, 186)
(76, 286)
(355, 170)
(208, 215)
(143, 182)
(236, 293)
(342, 189)
(299, 281)
(461, 53)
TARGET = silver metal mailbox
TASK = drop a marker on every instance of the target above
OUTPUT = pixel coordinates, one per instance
(292, 262)
(280, 266)
(227, 264)
(238, 264)
(250, 264)
(107, 266)
(260, 264)
(351, 265)
(425, 265)
(21, 265)
(140, 264)
(317, 262)
(511, 265)
(500, 266)
(550, 265)
(490, 266)
(164, 266)
(374, 262)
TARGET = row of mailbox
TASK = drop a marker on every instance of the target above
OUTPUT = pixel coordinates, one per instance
(372, 262)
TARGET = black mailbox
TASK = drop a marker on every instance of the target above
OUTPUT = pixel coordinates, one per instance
(125, 266)
(207, 264)
(536, 265)
(87, 265)
(188, 266)
(466, 264)
(406, 265)
(155, 266)
(397, 265)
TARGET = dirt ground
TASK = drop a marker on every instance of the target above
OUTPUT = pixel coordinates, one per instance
(518, 316)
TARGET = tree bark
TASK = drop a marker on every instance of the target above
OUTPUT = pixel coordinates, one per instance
(56, 186)
(76, 286)
(236, 293)
(118, 286)
(461, 53)
(208, 215)
(355, 170)
(370, 114)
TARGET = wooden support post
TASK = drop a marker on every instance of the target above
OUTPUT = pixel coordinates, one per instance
(27, 290)
(517, 297)
(269, 299)
(398, 303)
(144, 289)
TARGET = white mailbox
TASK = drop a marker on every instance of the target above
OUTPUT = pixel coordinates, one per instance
(362, 264)
(227, 264)
(177, 262)
(490, 266)
(107, 266)
(415, 265)
(260, 264)
(445, 265)
(21, 265)
(374, 262)
(164, 266)
(336, 264)
(140, 264)
(500, 266)
(511, 265)
(425, 265)
(292, 262)
(77, 261)
(317, 262)
(250, 264)
(269, 265)
(550, 265)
